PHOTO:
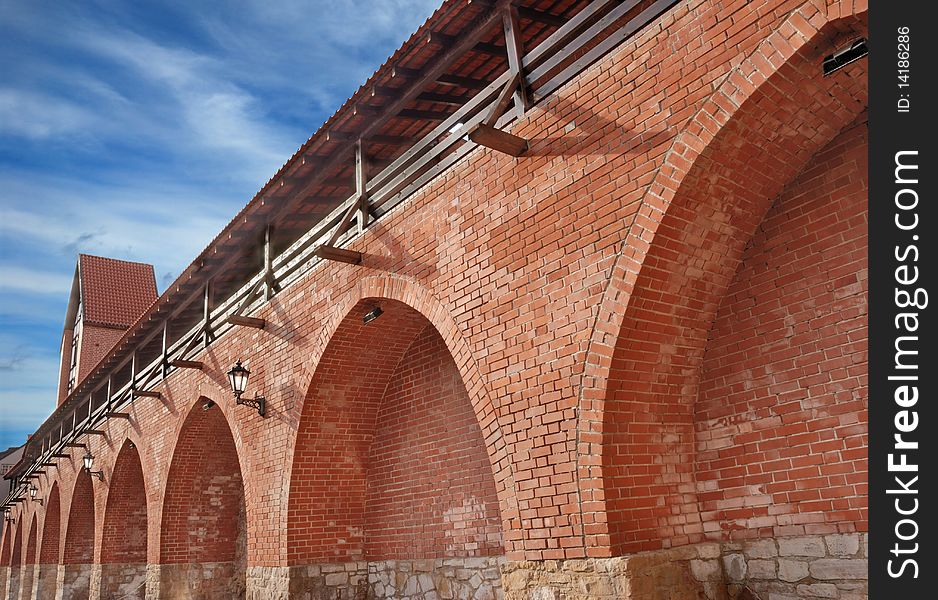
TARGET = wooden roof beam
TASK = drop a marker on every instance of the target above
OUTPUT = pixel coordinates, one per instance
(496, 139)
(466, 82)
(540, 16)
(339, 254)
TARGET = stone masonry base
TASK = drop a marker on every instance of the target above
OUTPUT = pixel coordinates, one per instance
(829, 567)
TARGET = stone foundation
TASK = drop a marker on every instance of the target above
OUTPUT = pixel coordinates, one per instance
(429, 579)
(195, 581)
(75, 581)
(27, 577)
(13, 584)
(123, 581)
(829, 566)
(686, 573)
(46, 577)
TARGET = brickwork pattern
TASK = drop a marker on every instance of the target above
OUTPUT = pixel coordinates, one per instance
(781, 417)
(539, 274)
(790, 568)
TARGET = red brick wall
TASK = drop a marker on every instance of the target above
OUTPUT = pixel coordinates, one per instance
(376, 473)
(125, 518)
(7, 544)
(202, 514)
(49, 552)
(16, 556)
(430, 491)
(30, 558)
(781, 417)
(526, 267)
(95, 343)
(80, 535)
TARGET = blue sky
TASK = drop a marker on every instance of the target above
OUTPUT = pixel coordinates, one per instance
(137, 130)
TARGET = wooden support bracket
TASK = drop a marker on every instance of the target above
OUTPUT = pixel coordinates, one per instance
(118, 415)
(186, 364)
(59, 455)
(48, 464)
(496, 139)
(339, 254)
(94, 432)
(75, 446)
(247, 321)
(146, 394)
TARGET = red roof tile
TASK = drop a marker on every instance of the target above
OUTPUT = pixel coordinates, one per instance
(115, 292)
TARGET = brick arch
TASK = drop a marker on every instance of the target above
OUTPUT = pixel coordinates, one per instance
(6, 552)
(203, 536)
(124, 534)
(782, 394)
(78, 552)
(770, 114)
(29, 559)
(390, 461)
(421, 300)
(49, 550)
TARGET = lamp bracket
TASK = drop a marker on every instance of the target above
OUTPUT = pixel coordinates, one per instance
(257, 402)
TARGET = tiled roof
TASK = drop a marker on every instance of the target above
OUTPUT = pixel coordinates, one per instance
(115, 292)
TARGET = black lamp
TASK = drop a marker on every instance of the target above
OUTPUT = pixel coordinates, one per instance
(33, 490)
(88, 462)
(238, 377)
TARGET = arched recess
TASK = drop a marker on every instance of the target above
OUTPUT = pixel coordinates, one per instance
(50, 548)
(720, 177)
(5, 556)
(203, 534)
(390, 470)
(29, 560)
(16, 561)
(783, 394)
(78, 555)
(124, 539)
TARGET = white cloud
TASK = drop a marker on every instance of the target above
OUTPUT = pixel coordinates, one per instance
(32, 281)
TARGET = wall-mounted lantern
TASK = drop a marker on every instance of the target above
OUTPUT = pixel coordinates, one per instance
(88, 462)
(238, 377)
(33, 492)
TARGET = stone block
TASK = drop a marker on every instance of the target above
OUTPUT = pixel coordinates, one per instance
(817, 590)
(760, 549)
(847, 544)
(734, 565)
(705, 570)
(792, 570)
(762, 569)
(801, 546)
(838, 568)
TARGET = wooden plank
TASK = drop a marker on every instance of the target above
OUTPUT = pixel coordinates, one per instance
(146, 394)
(504, 98)
(392, 140)
(247, 321)
(423, 115)
(540, 16)
(59, 455)
(339, 254)
(466, 82)
(570, 48)
(595, 53)
(94, 432)
(118, 415)
(73, 445)
(186, 364)
(496, 139)
(513, 45)
(361, 180)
